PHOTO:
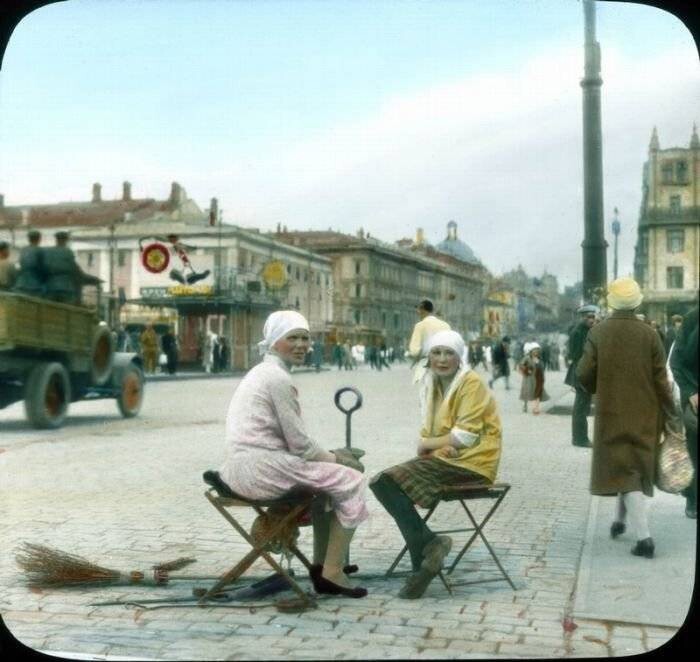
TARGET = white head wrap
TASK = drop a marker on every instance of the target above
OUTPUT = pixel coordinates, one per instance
(453, 341)
(278, 325)
(450, 339)
(529, 346)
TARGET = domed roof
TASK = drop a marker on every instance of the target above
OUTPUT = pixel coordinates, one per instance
(456, 247)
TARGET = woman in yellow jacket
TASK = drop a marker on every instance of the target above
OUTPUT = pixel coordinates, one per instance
(460, 443)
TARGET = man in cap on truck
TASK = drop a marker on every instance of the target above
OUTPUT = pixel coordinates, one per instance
(64, 278)
(32, 274)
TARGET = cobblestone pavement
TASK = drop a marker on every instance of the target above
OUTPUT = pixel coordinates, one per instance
(128, 493)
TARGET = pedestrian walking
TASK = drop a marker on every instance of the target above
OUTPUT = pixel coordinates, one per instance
(224, 354)
(460, 443)
(673, 330)
(8, 271)
(32, 272)
(317, 353)
(382, 356)
(149, 348)
(169, 345)
(532, 369)
(208, 351)
(337, 356)
(216, 353)
(684, 365)
(269, 453)
(348, 361)
(424, 328)
(582, 399)
(501, 366)
(623, 363)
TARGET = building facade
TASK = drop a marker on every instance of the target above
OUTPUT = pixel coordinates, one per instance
(667, 252)
(377, 286)
(244, 275)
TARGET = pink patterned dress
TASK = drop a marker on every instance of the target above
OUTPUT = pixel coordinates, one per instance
(269, 451)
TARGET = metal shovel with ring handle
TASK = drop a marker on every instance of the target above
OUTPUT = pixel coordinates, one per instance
(356, 452)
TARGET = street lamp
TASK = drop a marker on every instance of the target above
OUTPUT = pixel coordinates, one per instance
(616, 234)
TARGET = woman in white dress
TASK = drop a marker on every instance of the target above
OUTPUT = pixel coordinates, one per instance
(269, 452)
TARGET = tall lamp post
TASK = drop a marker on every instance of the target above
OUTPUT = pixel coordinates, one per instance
(594, 244)
(616, 234)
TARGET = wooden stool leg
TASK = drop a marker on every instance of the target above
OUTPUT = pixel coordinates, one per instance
(257, 551)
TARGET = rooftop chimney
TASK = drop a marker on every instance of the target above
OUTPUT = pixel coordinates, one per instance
(96, 192)
(420, 237)
(213, 211)
(177, 193)
(279, 228)
(361, 233)
(126, 191)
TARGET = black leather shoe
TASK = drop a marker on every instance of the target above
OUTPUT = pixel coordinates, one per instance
(617, 529)
(323, 585)
(316, 570)
(644, 548)
(582, 444)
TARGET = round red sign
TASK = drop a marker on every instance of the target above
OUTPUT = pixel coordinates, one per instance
(155, 258)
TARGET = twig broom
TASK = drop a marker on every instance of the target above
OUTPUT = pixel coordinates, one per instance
(46, 567)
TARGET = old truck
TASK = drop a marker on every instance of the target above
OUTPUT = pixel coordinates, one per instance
(52, 354)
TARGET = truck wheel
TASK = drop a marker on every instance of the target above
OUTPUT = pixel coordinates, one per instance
(102, 355)
(130, 395)
(47, 395)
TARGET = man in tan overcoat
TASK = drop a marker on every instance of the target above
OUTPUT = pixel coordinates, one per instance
(149, 348)
(623, 363)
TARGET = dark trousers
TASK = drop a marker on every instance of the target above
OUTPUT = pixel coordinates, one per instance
(582, 409)
(690, 421)
(397, 503)
(172, 362)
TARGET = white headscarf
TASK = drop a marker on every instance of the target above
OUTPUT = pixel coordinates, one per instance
(278, 325)
(453, 341)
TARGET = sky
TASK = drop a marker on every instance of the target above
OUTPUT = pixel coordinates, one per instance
(387, 116)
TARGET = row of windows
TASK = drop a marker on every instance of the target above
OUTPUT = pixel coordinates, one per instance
(675, 241)
(674, 277)
(370, 318)
(674, 172)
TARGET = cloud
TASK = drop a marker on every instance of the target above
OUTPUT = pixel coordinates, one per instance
(501, 153)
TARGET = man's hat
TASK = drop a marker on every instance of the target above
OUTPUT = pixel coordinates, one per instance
(4, 245)
(33, 234)
(588, 309)
(62, 235)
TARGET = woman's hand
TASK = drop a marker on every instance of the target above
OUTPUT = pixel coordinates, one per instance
(422, 450)
(446, 451)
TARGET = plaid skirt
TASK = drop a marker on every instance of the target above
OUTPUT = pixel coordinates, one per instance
(422, 479)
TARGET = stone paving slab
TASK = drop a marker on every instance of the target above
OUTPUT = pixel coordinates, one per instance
(128, 493)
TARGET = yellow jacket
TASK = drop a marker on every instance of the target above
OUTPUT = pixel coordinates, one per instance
(471, 408)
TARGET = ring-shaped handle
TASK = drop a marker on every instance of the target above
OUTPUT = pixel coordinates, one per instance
(358, 402)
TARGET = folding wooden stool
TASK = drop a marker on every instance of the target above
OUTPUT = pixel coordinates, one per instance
(223, 498)
(464, 493)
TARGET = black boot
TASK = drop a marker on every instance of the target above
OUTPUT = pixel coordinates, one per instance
(617, 529)
(398, 504)
(644, 548)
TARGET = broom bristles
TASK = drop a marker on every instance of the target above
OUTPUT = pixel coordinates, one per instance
(45, 566)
